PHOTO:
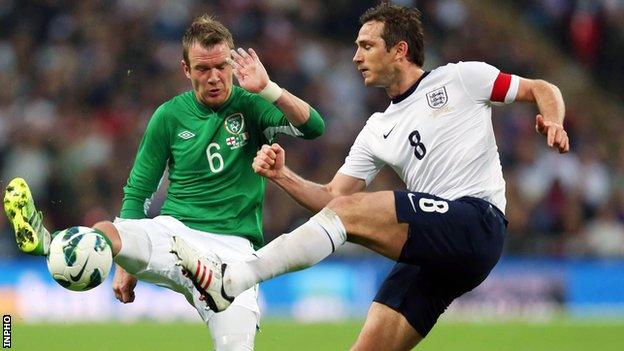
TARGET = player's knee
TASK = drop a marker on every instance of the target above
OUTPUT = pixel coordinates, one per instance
(369, 340)
(345, 206)
(234, 342)
(109, 230)
(350, 211)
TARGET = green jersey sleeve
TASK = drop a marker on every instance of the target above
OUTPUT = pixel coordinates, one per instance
(273, 122)
(149, 166)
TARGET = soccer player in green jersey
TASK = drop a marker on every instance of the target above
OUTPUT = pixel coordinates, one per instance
(207, 138)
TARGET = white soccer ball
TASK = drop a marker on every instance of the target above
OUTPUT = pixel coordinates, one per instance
(80, 258)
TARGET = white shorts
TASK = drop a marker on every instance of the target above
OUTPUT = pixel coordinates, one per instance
(149, 259)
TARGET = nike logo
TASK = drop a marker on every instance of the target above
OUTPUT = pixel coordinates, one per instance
(77, 276)
(385, 136)
(411, 197)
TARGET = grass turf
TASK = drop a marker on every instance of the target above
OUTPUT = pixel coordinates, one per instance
(285, 335)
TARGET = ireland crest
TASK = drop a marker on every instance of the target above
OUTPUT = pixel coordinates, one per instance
(235, 123)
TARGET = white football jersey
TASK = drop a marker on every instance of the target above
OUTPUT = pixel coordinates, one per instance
(438, 136)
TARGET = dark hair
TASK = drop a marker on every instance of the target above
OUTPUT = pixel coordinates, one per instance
(208, 32)
(400, 24)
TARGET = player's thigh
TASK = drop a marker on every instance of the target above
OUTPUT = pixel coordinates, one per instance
(136, 246)
(370, 220)
(145, 246)
(461, 238)
(234, 329)
(419, 295)
(386, 329)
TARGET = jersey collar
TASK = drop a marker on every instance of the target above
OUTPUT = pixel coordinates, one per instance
(203, 108)
(409, 91)
(209, 110)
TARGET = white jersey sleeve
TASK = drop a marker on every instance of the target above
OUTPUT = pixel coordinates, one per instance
(484, 82)
(361, 163)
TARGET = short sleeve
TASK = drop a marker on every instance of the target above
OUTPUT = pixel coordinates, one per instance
(484, 82)
(361, 163)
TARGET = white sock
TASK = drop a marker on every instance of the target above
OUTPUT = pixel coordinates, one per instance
(303, 247)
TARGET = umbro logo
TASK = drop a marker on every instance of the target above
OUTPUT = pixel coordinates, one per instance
(186, 135)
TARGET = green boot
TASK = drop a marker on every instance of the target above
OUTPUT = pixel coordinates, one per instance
(31, 236)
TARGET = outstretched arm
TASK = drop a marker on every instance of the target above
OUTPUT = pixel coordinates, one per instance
(549, 121)
(253, 77)
(270, 163)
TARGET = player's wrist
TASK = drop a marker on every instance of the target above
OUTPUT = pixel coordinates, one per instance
(271, 92)
(284, 177)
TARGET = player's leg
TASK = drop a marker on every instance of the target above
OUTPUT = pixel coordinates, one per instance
(233, 329)
(370, 220)
(141, 243)
(454, 245)
(365, 218)
(386, 329)
(130, 238)
(306, 245)
(370, 216)
(415, 228)
(132, 254)
(30, 234)
(144, 252)
(406, 307)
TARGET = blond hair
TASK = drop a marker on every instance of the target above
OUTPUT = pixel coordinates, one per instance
(206, 31)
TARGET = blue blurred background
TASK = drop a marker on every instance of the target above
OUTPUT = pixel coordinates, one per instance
(80, 79)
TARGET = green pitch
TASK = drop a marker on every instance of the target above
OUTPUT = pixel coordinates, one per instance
(284, 335)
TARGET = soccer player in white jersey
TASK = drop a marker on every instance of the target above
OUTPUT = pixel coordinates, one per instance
(446, 232)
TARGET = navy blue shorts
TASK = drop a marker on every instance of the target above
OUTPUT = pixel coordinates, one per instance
(451, 248)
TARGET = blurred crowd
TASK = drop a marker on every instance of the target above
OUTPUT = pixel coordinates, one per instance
(80, 79)
(592, 31)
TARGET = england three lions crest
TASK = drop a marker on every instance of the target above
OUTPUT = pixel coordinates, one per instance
(437, 98)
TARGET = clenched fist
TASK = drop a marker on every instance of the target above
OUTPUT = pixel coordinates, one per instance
(269, 161)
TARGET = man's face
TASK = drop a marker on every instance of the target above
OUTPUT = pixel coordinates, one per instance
(371, 58)
(210, 74)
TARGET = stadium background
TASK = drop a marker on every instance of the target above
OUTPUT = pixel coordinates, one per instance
(81, 78)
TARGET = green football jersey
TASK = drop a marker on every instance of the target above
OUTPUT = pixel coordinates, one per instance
(209, 154)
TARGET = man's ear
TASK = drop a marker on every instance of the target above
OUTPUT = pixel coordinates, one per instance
(186, 69)
(402, 50)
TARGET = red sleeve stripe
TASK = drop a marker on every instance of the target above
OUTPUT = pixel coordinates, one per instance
(500, 88)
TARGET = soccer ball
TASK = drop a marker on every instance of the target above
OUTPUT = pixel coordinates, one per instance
(80, 258)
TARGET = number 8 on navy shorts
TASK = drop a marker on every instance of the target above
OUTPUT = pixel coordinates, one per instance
(451, 248)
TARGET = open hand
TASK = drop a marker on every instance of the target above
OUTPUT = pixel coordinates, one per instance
(249, 71)
(556, 136)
